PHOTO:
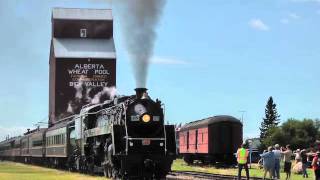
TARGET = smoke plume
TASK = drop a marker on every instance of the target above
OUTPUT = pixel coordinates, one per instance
(138, 21)
(107, 91)
(88, 95)
(79, 87)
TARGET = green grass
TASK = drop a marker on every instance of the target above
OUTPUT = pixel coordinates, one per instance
(17, 171)
(180, 165)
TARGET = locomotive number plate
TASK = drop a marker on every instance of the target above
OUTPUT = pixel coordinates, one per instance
(146, 142)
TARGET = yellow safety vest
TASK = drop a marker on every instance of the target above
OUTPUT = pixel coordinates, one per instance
(242, 156)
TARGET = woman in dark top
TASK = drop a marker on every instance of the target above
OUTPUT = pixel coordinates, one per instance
(316, 166)
(304, 163)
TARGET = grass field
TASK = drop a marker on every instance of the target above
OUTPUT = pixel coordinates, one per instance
(17, 171)
(179, 164)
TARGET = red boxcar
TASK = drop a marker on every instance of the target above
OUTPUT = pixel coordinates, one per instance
(211, 140)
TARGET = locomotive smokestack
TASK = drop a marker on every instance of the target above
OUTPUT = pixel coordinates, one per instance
(140, 92)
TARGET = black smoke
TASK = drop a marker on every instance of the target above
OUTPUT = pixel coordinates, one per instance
(138, 21)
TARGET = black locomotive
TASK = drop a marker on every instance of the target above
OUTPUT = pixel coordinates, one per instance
(124, 138)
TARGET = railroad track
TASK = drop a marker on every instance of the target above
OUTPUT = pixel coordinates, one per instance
(201, 175)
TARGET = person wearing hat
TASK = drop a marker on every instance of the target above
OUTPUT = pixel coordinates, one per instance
(242, 159)
(277, 155)
(316, 166)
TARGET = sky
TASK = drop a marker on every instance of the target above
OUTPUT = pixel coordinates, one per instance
(210, 58)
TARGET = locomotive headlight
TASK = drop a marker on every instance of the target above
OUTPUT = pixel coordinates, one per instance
(146, 118)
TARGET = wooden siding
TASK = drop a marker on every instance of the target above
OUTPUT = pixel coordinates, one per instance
(198, 143)
(202, 145)
(183, 142)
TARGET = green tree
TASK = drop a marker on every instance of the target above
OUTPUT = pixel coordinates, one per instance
(300, 134)
(317, 125)
(276, 136)
(297, 133)
(270, 120)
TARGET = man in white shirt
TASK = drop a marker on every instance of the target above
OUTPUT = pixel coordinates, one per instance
(277, 155)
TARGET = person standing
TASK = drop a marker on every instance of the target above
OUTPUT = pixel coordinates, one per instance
(297, 156)
(242, 158)
(268, 162)
(287, 161)
(316, 166)
(277, 155)
(304, 161)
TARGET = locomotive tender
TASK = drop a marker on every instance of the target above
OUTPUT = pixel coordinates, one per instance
(211, 140)
(123, 138)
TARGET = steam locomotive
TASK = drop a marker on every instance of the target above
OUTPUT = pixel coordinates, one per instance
(123, 138)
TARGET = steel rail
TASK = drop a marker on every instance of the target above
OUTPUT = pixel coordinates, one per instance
(203, 175)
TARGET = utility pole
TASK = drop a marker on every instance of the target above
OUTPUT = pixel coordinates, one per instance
(250, 152)
(242, 112)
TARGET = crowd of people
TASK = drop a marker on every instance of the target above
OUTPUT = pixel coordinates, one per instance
(271, 158)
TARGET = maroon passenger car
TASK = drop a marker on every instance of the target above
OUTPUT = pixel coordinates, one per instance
(210, 140)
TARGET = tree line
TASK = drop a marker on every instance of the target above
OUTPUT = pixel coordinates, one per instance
(299, 133)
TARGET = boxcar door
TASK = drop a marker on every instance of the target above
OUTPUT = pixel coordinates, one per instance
(187, 140)
(226, 138)
(196, 144)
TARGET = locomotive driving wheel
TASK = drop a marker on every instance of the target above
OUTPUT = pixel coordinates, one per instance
(111, 172)
(107, 171)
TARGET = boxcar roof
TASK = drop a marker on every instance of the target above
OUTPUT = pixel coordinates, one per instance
(84, 48)
(210, 120)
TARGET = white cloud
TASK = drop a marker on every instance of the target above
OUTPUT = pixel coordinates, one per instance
(167, 61)
(284, 21)
(294, 16)
(258, 24)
